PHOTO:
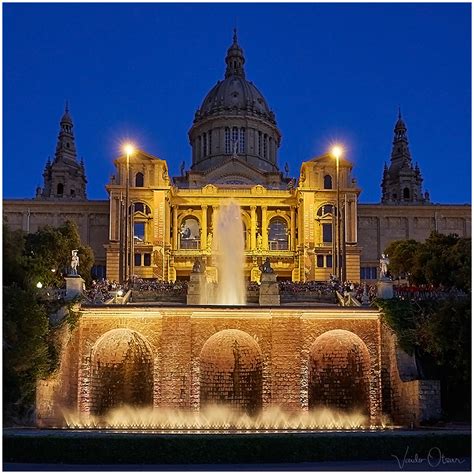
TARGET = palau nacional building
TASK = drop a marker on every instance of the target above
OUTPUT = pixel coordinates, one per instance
(234, 141)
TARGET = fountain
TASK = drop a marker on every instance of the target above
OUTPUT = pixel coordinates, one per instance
(229, 247)
(224, 365)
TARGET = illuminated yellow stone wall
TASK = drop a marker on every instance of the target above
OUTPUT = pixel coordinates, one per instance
(295, 258)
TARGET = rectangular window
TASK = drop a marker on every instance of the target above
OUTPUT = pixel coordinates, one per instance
(147, 259)
(368, 273)
(242, 140)
(328, 261)
(138, 260)
(209, 144)
(259, 143)
(227, 141)
(327, 233)
(320, 261)
(139, 231)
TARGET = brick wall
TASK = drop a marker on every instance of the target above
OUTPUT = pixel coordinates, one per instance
(284, 337)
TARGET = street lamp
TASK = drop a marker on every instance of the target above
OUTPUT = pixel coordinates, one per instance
(129, 150)
(337, 152)
(39, 285)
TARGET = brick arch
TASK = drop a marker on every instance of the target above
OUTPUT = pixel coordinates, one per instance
(339, 372)
(231, 371)
(121, 371)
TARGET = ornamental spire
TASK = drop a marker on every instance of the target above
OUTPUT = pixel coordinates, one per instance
(235, 59)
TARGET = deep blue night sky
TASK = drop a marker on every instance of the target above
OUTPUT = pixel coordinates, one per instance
(330, 72)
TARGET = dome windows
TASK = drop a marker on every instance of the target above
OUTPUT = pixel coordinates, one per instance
(227, 140)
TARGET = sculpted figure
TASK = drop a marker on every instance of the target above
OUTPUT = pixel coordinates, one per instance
(266, 267)
(384, 261)
(197, 266)
(74, 262)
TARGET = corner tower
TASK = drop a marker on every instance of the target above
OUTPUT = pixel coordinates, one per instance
(65, 177)
(401, 182)
(234, 136)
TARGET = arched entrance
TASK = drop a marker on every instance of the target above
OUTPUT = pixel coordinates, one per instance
(121, 371)
(339, 371)
(231, 371)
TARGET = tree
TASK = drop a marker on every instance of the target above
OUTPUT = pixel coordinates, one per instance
(29, 346)
(440, 260)
(48, 253)
(402, 255)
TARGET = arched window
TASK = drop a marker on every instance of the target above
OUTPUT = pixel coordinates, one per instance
(265, 146)
(406, 193)
(141, 207)
(259, 143)
(199, 150)
(227, 140)
(139, 180)
(325, 216)
(60, 189)
(73, 192)
(323, 211)
(242, 140)
(328, 182)
(278, 234)
(189, 233)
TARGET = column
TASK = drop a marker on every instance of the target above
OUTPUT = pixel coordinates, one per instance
(264, 228)
(292, 229)
(253, 227)
(175, 227)
(203, 227)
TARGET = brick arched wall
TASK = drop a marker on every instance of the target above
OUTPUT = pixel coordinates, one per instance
(121, 371)
(339, 372)
(231, 371)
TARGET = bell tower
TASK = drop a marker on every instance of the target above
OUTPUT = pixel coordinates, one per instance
(65, 177)
(401, 182)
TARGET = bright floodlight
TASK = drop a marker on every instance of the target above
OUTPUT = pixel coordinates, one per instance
(128, 148)
(39, 285)
(337, 151)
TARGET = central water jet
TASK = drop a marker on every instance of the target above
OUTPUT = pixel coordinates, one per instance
(229, 248)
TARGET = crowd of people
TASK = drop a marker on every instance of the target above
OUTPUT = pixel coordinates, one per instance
(104, 290)
(101, 290)
(177, 288)
(425, 292)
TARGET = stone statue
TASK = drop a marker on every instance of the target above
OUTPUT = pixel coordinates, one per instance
(259, 241)
(235, 144)
(197, 266)
(74, 262)
(266, 267)
(384, 261)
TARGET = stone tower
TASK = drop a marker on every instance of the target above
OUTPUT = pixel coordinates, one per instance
(234, 136)
(65, 177)
(401, 182)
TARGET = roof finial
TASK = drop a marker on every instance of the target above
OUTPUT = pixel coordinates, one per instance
(66, 109)
(399, 113)
(235, 36)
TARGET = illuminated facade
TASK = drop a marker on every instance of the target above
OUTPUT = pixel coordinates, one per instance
(235, 143)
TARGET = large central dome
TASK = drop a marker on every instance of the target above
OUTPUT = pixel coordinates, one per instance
(235, 94)
(234, 136)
